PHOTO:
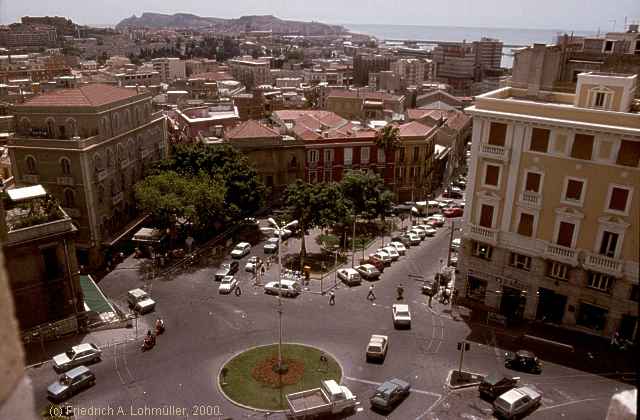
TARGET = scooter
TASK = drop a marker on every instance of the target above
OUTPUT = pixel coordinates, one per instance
(148, 343)
(159, 326)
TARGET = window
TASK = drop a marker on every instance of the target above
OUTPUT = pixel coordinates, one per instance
(539, 140)
(582, 147)
(69, 198)
(574, 190)
(401, 154)
(348, 155)
(532, 182)
(525, 226)
(416, 153)
(482, 250)
(381, 156)
(364, 154)
(609, 244)
(599, 281)
(328, 155)
(32, 167)
(71, 128)
(51, 265)
(592, 317)
(109, 158)
(618, 200)
(328, 175)
(486, 216)
(629, 154)
(557, 270)
(97, 163)
(51, 128)
(65, 165)
(565, 234)
(313, 156)
(520, 261)
(608, 46)
(497, 134)
(599, 99)
(492, 175)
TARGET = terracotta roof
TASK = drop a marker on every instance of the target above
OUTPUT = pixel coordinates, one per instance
(457, 120)
(251, 130)
(414, 129)
(327, 118)
(305, 133)
(92, 95)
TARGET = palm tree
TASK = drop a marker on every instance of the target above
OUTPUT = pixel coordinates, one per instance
(388, 138)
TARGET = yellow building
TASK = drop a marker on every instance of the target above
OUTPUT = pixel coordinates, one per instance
(551, 227)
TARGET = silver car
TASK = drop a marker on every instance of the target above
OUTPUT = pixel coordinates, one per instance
(77, 355)
(516, 402)
(70, 383)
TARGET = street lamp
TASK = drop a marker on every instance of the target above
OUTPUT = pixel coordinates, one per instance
(279, 230)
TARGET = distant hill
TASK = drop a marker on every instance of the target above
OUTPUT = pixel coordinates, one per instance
(244, 23)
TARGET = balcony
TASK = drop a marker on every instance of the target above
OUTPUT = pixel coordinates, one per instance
(101, 175)
(531, 198)
(562, 254)
(604, 264)
(31, 178)
(118, 198)
(65, 180)
(482, 234)
(493, 151)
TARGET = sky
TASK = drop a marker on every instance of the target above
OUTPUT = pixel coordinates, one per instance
(534, 14)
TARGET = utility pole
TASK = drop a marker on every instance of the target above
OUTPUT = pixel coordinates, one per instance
(462, 347)
(453, 226)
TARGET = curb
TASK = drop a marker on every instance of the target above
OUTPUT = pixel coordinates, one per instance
(469, 385)
(555, 343)
(262, 410)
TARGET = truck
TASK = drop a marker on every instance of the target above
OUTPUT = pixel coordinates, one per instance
(330, 398)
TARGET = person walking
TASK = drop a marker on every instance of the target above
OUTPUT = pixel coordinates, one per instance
(332, 298)
(371, 295)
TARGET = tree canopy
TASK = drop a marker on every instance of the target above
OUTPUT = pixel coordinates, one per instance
(366, 194)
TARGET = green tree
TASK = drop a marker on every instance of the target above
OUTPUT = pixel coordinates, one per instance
(388, 138)
(169, 195)
(366, 194)
(300, 199)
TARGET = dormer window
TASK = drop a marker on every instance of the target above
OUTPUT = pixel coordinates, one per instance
(600, 97)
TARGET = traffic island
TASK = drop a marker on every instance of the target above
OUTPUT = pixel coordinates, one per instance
(462, 379)
(255, 380)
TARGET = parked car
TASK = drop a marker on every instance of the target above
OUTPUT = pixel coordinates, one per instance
(392, 251)
(456, 243)
(460, 183)
(240, 250)
(401, 315)
(400, 247)
(286, 287)
(368, 271)
(70, 383)
(445, 202)
(389, 394)
(253, 264)
(416, 230)
(453, 261)
(377, 347)
(517, 402)
(450, 193)
(523, 360)
(429, 288)
(349, 276)
(77, 355)
(403, 239)
(330, 398)
(415, 239)
(227, 285)
(140, 301)
(271, 246)
(381, 256)
(376, 263)
(227, 269)
(495, 384)
(438, 220)
(453, 212)
(429, 230)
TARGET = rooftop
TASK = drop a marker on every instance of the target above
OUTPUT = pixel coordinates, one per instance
(92, 95)
(251, 129)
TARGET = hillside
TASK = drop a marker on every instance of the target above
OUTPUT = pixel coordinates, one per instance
(244, 23)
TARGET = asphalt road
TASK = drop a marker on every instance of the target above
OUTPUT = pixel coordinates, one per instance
(204, 329)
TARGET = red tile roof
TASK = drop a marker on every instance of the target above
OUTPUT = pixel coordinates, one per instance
(414, 129)
(251, 130)
(457, 120)
(92, 95)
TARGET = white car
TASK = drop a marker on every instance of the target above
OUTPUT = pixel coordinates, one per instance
(253, 264)
(227, 285)
(349, 276)
(421, 233)
(140, 301)
(271, 245)
(242, 249)
(517, 402)
(392, 251)
(438, 220)
(430, 231)
(377, 347)
(286, 287)
(81, 354)
(399, 246)
(455, 244)
(368, 271)
(414, 238)
(382, 256)
(401, 315)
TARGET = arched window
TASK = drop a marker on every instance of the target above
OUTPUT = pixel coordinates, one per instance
(97, 162)
(116, 122)
(127, 118)
(65, 165)
(51, 127)
(104, 126)
(72, 128)
(25, 126)
(120, 154)
(69, 198)
(131, 149)
(100, 194)
(32, 166)
(109, 158)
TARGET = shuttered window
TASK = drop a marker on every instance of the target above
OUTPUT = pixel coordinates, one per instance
(565, 234)
(486, 216)
(629, 154)
(582, 147)
(492, 176)
(619, 198)
(574, 190)
(533, 182)
(497, 134)
(525, 227)
(539, 140)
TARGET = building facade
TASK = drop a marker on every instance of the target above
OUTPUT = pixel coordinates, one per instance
(88, 146)
(551, 224)
(363, 64)
(414, 166)
(250, 73)
(170, 68)
(412, 70)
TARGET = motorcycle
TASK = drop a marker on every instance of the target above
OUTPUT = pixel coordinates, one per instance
(159, 326)
(148, 343)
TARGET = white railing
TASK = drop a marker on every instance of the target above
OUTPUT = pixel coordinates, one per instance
(493, 150)
(483, 234)
(530, 197)
(65, 180)
(603, 263)
(562, 253)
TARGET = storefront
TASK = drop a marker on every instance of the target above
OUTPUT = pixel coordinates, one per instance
(512, 303)
(593, 317)
(476, 288)
(551, 306)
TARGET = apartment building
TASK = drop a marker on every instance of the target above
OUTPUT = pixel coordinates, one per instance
(413, 71)
(551, 227)
(88, 146)
(170, 68)
(251, 73)
(364, 104)
(363, 64)
(414, 161)
(19, 35)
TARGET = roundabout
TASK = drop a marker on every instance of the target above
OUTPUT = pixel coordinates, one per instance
(254, 379)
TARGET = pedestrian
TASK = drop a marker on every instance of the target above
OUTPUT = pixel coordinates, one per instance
(400, 291)
(238, 291)
(454, 296)
(430, 299)
(262, 270)
(332, 298)
(371, 295)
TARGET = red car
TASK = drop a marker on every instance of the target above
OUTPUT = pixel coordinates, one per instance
(452, 212)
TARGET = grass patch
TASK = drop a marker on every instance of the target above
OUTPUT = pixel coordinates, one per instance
(240, 384)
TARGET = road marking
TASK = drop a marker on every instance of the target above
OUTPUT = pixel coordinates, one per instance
(418, 391)
(115, 363)
(572, 402)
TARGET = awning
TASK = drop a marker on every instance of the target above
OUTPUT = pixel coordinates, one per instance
(126, 231)
(94, 299)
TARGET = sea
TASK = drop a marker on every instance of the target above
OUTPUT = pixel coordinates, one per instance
(509, 36)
